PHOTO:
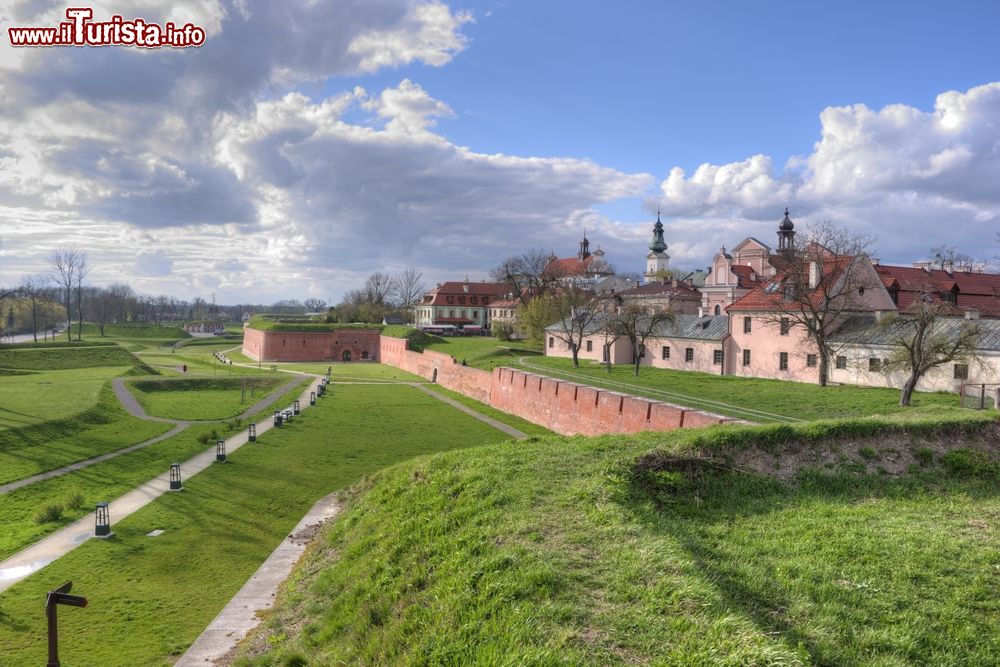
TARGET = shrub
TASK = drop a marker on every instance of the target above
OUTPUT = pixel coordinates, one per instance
(50, 513)
(925, 456)
(967, 462)
(75, 501)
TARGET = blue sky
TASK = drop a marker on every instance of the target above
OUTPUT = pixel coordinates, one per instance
(307, 145)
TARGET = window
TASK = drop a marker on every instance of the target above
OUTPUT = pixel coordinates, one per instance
(961, 371)
(688, 354)
(718, 309)
(665, 352)
(786, 325)
(473, 299)
(552, 342)
(811, 360)
(463, 313)
(451, 313)
(841, 361)
(717, 357)
(746, 357)
(590, 346)
(746, 325)
(783, 361)
(874, 364)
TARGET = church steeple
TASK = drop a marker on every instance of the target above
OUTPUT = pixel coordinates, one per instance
(658, 245)
(584, 248)
(786, 233)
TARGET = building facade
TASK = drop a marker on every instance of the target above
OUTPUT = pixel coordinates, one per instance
(459, 304)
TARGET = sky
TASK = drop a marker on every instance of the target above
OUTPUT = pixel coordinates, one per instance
(306, 145)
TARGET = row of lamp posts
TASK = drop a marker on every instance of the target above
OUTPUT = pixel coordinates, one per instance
(102, 525)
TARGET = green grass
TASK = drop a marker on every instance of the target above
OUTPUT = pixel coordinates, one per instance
(199, 360)
(151, 597)
(522, 425)
(198, 399)
(482, 351)
(553, 552)
(63, 358)
(290, 323)
(54, 395)
(791, 399)
(50, 444)
(134, 331)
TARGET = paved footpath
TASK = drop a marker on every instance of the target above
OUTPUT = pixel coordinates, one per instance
(241, 615)
(58, 544)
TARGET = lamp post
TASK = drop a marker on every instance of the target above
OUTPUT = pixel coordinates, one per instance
(295, 406)
(252, 433)
(102, 522)
(312, 398)
(277, 418)
(220, 450)
(175, 477)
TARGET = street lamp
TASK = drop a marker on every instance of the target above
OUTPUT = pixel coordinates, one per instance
(312, 398)
(220, 450)
(277, 418)
(102, 525)
(295, 407)
(175, 477)
(252, 433)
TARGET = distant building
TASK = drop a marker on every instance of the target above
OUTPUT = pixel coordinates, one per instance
(459, 304)
(672, 295)
(657, 261)
(583, 270)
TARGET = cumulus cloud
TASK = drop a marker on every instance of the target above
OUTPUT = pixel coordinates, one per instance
(153, 263)
(917, 178)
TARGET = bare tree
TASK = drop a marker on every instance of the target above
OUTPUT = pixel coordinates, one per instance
(819, 283)
(378, 289)
(924, 338)
(407, 287)
(529, 275)
(315, 305)
(122, 296)
(637, 323)
(947, 258)
(32, 289)
(571, 314)
(66, 262)
(81, 272)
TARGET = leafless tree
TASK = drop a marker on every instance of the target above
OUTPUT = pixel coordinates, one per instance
(66, 263)
(925, 337)
(315, 305)
(571, 314)
(32, 290)
(636, 322)
(378, 289)
(530, 274)
(407, 287)
(122, 296)
(81, 272)
(947, 258)
(819, 282)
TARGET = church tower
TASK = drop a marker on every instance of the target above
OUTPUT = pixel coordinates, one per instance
(657, 260)
(786, 234)
(584, 248)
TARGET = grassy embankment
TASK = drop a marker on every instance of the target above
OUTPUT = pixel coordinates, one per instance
(150, 597)
(572, 551)
(198, 399)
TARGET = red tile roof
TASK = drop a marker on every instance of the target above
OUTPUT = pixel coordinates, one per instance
(456, 290)
(744, 275)
(973, 290)
(655, 289)
(769, 295)
(570, 266)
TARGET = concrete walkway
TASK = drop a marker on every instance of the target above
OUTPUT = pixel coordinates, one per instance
(500, 426)
(40, 554)
(241, 615)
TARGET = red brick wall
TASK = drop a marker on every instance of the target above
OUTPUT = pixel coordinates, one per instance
(363, 344)
(564, 407)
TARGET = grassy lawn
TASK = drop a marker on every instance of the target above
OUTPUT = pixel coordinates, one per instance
(62, 358)
(151, 597)
(198, 358)
(53, 395)
(551, 552)
(483, 351)
(522, 425)
(103, 427)
(202, 399)
(792, 399)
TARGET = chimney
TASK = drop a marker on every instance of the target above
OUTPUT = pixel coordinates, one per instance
(701, 312)
(813, 274)
(674, 283)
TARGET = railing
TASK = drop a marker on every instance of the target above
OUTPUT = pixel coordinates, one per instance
(980, 395)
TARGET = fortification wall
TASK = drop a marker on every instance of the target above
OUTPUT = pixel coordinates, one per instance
(567, 408)
(340, 345)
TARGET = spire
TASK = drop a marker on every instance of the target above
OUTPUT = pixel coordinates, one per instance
(658, 245)
(584, 247)
(786, 233)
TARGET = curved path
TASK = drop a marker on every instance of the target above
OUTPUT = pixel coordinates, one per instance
(132, 406)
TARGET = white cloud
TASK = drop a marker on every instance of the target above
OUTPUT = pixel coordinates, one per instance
(429, 32)
(153, 263)
(916, 178)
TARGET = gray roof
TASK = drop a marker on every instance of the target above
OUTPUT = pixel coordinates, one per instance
(865, 330)
(713, 327)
